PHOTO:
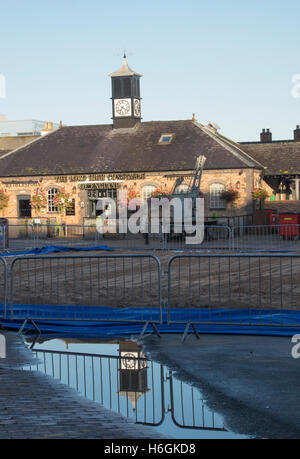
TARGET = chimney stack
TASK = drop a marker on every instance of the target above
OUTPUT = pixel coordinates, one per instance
(48, 127)
(266, 136)
(297, 134)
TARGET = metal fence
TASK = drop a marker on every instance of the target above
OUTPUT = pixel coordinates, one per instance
(267, 237)
(38, 235)
(103, 287)
(215, 238)
(33, 235)
(133, 387)
(261, 290)
(235, 220)
(189, 409)
(3, 288)
(137, 388)
(221, 237)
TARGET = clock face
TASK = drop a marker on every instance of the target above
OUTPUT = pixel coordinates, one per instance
(123, 107)
(137, 108)
(128, 361)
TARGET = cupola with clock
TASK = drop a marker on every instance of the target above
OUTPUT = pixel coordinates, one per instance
(126, 99)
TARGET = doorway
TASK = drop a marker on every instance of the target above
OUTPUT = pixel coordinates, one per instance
(94, 196)
(24, 207)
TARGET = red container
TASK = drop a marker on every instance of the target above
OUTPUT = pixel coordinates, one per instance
(289, 225)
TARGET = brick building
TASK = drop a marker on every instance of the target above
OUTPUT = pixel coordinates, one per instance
(89, 162)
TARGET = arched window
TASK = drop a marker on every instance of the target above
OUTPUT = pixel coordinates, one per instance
(51, 193)
(215, 196)
(147, 191)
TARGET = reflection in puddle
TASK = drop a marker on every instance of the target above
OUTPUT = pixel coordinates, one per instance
(117, 375)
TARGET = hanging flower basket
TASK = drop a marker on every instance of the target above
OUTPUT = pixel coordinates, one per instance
(230, 195)
(128, 203)
(4, 198)
(158, 193)
(259, 194)
(62, 200)
(38, 200)
(132, 194)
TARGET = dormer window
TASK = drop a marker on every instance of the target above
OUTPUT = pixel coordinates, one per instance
(166, 139)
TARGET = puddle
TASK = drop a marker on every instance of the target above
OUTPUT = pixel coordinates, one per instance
(117, 375)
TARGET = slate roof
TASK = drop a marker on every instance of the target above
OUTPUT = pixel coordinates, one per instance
(3, 152)
(100, 148)
(279, 157)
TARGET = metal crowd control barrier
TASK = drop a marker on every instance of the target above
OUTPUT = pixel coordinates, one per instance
(114, 288)
(133, 387)
(3, 288)
(267, 237)
(215, 238)
(237, 290)
(137, 388)
(38, 235)
(188, 409)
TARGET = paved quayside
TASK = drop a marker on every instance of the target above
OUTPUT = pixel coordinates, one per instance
(33, 405)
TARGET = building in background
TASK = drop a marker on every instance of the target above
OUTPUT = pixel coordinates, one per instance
(24, 128)
(281, 159)
(91, 162)
(15, 134)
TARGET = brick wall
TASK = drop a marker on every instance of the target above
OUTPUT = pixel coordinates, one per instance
(245, 180)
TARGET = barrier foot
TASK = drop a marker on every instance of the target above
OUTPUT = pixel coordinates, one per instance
(186, 331)
(34, 325)
(35, 340)
(145, 328)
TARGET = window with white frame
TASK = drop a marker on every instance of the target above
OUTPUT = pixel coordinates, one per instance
(51, 193)
(147, 191)
(216, 202)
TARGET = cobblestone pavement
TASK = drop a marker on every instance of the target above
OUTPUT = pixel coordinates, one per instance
(33, 405)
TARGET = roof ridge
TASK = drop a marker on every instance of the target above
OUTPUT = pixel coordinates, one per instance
(236, 145)
(225, 142)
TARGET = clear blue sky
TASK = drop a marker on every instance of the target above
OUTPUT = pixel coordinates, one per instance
(230, 62)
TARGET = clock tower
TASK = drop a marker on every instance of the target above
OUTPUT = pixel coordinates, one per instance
(126, 99)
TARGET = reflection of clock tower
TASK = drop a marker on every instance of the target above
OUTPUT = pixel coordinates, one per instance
(133, 376)
(126, 100)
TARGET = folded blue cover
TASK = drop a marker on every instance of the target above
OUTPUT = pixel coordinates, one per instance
(55, 249)
(107, 321)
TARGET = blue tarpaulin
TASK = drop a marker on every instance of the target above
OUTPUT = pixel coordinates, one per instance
(266, 323)
(56, 249)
